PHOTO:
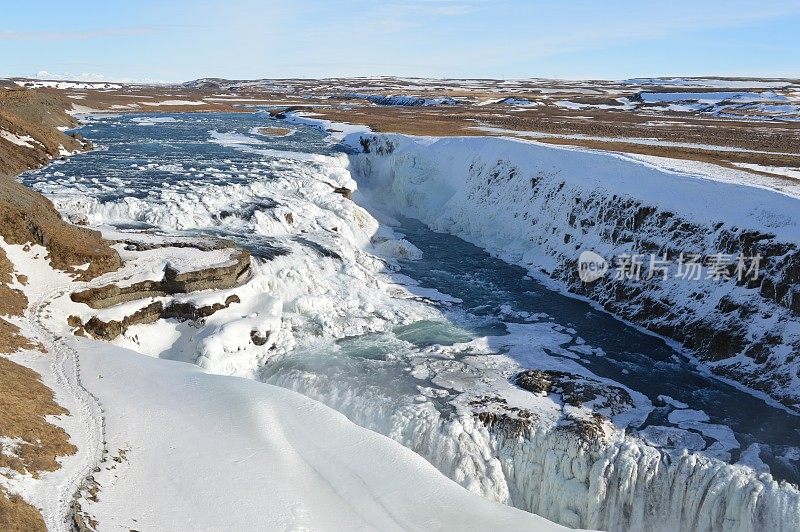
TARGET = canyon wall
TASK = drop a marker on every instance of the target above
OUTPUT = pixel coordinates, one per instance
(541, 207)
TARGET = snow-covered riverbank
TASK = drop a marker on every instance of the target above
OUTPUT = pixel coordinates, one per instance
(540, 207)
(255, 457)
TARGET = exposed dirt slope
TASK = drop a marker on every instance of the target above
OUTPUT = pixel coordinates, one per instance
(25, 402)
(29, 137)
(18, 516)
(26, 216)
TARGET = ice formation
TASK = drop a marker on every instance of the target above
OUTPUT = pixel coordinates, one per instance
(540, 207)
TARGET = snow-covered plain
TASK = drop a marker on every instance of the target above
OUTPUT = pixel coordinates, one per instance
(345, 329)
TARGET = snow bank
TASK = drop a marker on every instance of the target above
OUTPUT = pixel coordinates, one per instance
(255, 456)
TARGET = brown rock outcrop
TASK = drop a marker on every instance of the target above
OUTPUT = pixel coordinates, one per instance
(108, 330)
(173, 282)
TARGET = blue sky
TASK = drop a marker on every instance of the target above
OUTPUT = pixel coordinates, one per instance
(605, 39)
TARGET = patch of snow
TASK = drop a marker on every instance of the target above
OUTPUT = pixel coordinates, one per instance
(20, 140)
(173, 102)
(673, 402)
(337, 130)
(152, 120)
(82, 109)
(750, 457)
(520, 102)
(673, 438)
(793, 172)
(681, 416)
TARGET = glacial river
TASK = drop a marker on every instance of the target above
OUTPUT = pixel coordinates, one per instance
(157, 171)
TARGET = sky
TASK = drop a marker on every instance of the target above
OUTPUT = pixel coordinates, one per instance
(179, 40)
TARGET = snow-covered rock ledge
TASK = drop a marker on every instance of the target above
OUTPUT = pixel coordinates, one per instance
(541, 206)
(164, 277)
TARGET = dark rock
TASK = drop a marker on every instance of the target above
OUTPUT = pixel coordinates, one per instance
(344, 191)
(726, 305)
(574, 389)
(173, 282)
(109, 330)
(257, 339)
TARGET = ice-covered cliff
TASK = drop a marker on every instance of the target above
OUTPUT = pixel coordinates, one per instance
(598, 479)
(541, 206)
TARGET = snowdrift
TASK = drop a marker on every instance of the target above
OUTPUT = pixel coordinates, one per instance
(226, 453)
